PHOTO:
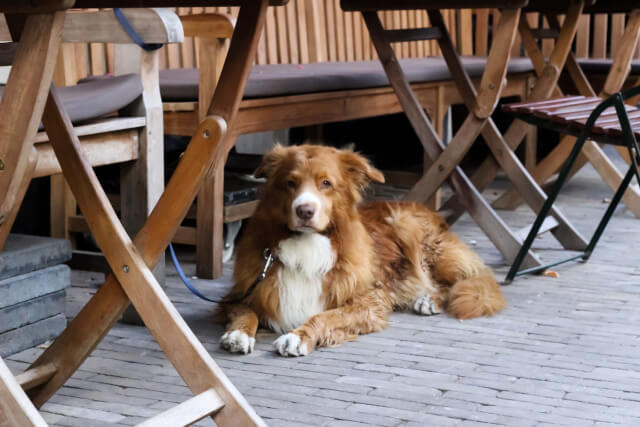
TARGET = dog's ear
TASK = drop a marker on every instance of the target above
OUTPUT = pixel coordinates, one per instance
(270, 162)
(359, 169)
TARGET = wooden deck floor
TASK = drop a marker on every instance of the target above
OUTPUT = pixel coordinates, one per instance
(565, 351)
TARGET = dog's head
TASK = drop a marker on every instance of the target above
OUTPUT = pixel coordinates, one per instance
(308, 184)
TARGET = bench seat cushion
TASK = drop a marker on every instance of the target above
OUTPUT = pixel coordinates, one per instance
(96, 97)
(602, 66)
(181, 85)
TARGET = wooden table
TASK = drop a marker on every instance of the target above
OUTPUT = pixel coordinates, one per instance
(30, 97)
(480, 103)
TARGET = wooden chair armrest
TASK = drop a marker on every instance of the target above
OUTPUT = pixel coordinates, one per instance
(153, 25)
(209, 25)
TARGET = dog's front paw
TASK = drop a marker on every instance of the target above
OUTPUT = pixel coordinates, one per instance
(290, 345)
(237, 342)
(426, 306)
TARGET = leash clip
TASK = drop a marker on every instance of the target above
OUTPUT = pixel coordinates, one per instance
(268, 261)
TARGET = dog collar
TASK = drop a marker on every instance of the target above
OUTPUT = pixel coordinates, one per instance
(269, 258)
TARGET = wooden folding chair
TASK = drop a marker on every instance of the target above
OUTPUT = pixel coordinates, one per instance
(587, 118)
(616, 77)
(545, 86)
(480, 103)
(30, 97)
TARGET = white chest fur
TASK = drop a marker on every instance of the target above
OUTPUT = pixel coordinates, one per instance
(305, 258)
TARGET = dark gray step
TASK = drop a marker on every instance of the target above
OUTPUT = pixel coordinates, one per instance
(23, 254)
(31, 335)
(32, 285)
(27, 312)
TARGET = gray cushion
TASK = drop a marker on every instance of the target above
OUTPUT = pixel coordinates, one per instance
(602, 66)
(181, 85)
(95, 97)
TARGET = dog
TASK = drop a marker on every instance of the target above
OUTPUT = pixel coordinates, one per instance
(341, 265)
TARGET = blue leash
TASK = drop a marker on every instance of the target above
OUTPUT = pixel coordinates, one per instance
(269, 258)
(126, 26)
(183, 277)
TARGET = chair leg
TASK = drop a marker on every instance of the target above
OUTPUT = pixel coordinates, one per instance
(62, 205)
(496, 230)
(610, 210)
(15, 407)
(22, 106)
(544, 211)
(210, 223)
(12, 213)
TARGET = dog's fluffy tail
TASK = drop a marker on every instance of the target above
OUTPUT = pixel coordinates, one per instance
(475, 297)
(468, 288)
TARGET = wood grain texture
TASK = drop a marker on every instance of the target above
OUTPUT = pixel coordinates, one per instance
(23, 102)
(543, 89)
(487, 219)
(183, 349)
(153, 26)
(15, 407)
(34, 377)
(210, 25)
(130, 268)
(189, 412)
(592, 153)
(225, 103)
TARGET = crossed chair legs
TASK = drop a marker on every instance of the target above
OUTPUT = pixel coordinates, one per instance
(480, 105)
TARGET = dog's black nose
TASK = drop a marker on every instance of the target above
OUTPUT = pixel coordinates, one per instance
(305, 212)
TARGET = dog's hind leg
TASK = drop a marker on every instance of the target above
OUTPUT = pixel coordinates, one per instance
(473, 290)
(241, 330)
(361, 315)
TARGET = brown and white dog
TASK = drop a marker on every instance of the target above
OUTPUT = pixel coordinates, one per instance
(343, 266)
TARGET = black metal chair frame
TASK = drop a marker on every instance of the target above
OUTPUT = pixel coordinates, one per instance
(583, 134)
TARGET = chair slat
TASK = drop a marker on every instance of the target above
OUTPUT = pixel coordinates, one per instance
(524, 106)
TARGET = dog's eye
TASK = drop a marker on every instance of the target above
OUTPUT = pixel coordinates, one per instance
(326, 183)
(291, 184)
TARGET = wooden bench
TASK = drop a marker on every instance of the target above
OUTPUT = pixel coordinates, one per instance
(131, 138)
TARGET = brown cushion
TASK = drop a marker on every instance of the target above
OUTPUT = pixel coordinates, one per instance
(95, 97)
(602, 66)
(181, 85)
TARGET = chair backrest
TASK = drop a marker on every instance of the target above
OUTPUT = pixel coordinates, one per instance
(598, 35)
(303, 31)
